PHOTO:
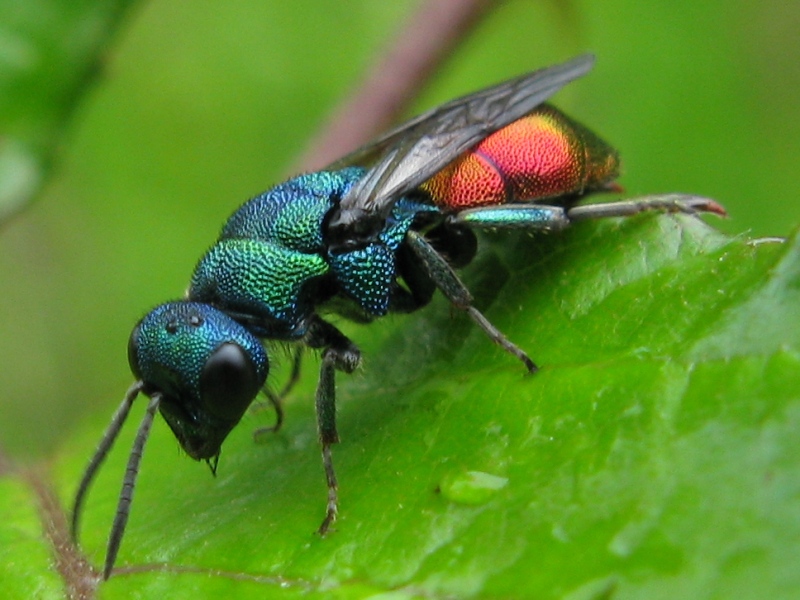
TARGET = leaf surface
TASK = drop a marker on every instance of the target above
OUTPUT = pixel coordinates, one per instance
(653, 455)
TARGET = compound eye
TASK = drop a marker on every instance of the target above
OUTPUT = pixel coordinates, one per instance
(133, 351)
(229, 382)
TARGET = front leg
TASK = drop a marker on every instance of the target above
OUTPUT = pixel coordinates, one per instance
(341, 354)
(276, 399)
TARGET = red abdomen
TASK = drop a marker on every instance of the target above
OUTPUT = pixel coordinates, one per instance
(543, 155)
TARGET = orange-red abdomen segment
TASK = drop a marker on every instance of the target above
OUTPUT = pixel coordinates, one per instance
(543, 155)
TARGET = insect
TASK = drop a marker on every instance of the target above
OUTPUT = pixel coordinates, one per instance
(363, 238)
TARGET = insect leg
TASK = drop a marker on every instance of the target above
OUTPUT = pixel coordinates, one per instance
(294, 376)
(540, 217)
(339, 354)
(276, 400)
(451, 286)
(682, 203)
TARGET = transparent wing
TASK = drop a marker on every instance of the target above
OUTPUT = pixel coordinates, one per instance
(412, 153)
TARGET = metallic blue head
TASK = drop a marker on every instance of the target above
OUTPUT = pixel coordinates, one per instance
(207, 367)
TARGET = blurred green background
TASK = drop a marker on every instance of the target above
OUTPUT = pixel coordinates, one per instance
(199, 107)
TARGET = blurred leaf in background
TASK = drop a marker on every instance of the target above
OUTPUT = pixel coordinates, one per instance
(50, 53)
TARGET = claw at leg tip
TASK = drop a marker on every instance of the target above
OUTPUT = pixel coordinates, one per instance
(716, 208)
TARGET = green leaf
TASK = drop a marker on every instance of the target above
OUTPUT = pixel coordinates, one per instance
(25, 555)
(654, 455)
(50, 51)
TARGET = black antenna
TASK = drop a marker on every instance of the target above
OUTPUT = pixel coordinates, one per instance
(128, 484)
(109, 437)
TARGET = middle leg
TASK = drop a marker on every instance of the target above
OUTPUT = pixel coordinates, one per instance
(339, 354)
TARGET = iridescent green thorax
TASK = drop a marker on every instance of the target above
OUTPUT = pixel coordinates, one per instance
(271, 262)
